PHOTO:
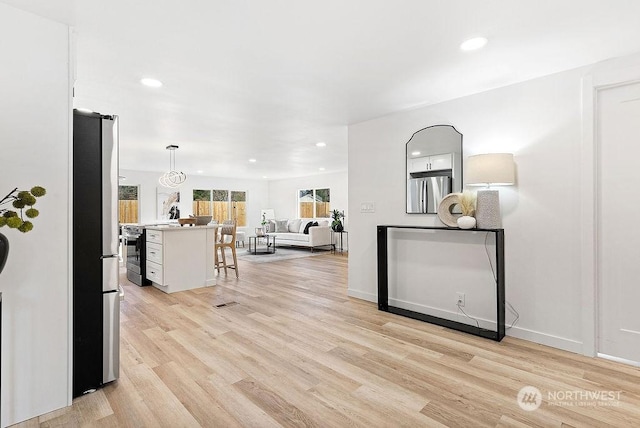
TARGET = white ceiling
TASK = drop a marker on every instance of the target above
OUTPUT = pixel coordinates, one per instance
(267, 79)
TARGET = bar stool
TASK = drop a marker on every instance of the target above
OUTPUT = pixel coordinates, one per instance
(228, 230)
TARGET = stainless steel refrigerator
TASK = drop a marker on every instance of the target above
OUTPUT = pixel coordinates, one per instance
(96, 294)
(424, 193)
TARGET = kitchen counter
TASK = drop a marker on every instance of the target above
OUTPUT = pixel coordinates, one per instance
(179, 228)
(180, 258)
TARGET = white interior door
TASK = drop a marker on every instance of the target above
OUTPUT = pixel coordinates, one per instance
(618, 235)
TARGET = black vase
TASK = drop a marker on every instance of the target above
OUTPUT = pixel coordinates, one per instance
(338, 227)
(4, 251)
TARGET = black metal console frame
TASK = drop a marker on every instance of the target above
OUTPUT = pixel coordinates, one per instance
(383, 284)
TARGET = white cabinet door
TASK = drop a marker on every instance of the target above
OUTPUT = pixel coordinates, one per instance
(419, 164)
(430, 163)
(439, 162)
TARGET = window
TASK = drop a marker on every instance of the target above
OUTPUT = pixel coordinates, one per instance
(201, 202)
(128, 204)
(221, 205)
(239, 207)
(314, 203)
(220, 200)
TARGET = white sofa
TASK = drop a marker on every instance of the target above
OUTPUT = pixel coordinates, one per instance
(318, 236)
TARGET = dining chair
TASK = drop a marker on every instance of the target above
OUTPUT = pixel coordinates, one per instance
(226, 240)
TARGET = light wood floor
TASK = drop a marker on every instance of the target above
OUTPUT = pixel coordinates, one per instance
(291, 349)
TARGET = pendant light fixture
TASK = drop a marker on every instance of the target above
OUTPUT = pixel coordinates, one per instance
(173, 178)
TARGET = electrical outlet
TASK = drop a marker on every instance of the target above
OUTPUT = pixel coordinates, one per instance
(460, 300)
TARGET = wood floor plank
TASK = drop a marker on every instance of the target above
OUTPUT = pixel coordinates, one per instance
(278, 408)
(127, 404)
(183, 384)
(216, 355)
(236, 403)
(290, 348)
(166, 407)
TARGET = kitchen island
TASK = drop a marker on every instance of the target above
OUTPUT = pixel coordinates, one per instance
(180, 258)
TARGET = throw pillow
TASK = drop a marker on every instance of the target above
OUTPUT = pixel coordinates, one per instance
(306, 228)
(281, 226)
(303, 223)
(294, 225)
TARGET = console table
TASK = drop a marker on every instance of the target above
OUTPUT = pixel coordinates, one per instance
(383, 283)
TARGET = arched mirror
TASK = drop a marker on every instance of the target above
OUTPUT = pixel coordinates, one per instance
(434, 167)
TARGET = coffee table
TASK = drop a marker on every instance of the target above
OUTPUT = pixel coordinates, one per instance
(270, 241)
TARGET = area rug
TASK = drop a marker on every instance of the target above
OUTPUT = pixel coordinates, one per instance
(282, 253)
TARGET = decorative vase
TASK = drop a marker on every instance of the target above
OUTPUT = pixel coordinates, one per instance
(466, 222)
(337, 226)
(4, 251)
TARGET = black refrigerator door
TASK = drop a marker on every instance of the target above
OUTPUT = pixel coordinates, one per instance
(87, 252)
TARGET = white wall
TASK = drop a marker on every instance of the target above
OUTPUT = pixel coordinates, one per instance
(540, 122)
(35, 140)
(257, 193)
(283, 194)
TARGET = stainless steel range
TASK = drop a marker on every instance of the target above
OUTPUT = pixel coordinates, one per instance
(135, 241)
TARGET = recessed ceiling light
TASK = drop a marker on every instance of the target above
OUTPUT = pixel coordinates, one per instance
(473, 44)
(264, 176)
(199, 171)
(415, 153)
(84, 110)
(153, 83)
(252, 160)
(321, 169)
(321, 144)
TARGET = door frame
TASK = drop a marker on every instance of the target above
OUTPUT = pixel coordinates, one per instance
(616, 73)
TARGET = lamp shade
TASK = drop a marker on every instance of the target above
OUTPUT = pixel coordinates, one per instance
(490, 169)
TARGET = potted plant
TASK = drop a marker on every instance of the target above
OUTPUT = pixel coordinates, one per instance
(336, 224)
(19, 200)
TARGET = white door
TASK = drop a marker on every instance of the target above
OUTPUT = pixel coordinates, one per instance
(618, 235)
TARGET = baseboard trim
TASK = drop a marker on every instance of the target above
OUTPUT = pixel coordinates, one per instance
(619, 360)
(369, 297)
(521, 333)
(444, 314)
(546, 339)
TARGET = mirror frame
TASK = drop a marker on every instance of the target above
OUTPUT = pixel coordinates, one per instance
(457, 169)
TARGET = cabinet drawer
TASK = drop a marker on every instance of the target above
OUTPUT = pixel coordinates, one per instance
(154, 272)
(154, 252)
(154, 236)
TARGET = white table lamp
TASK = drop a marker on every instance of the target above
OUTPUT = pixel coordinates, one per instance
(491, 169)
